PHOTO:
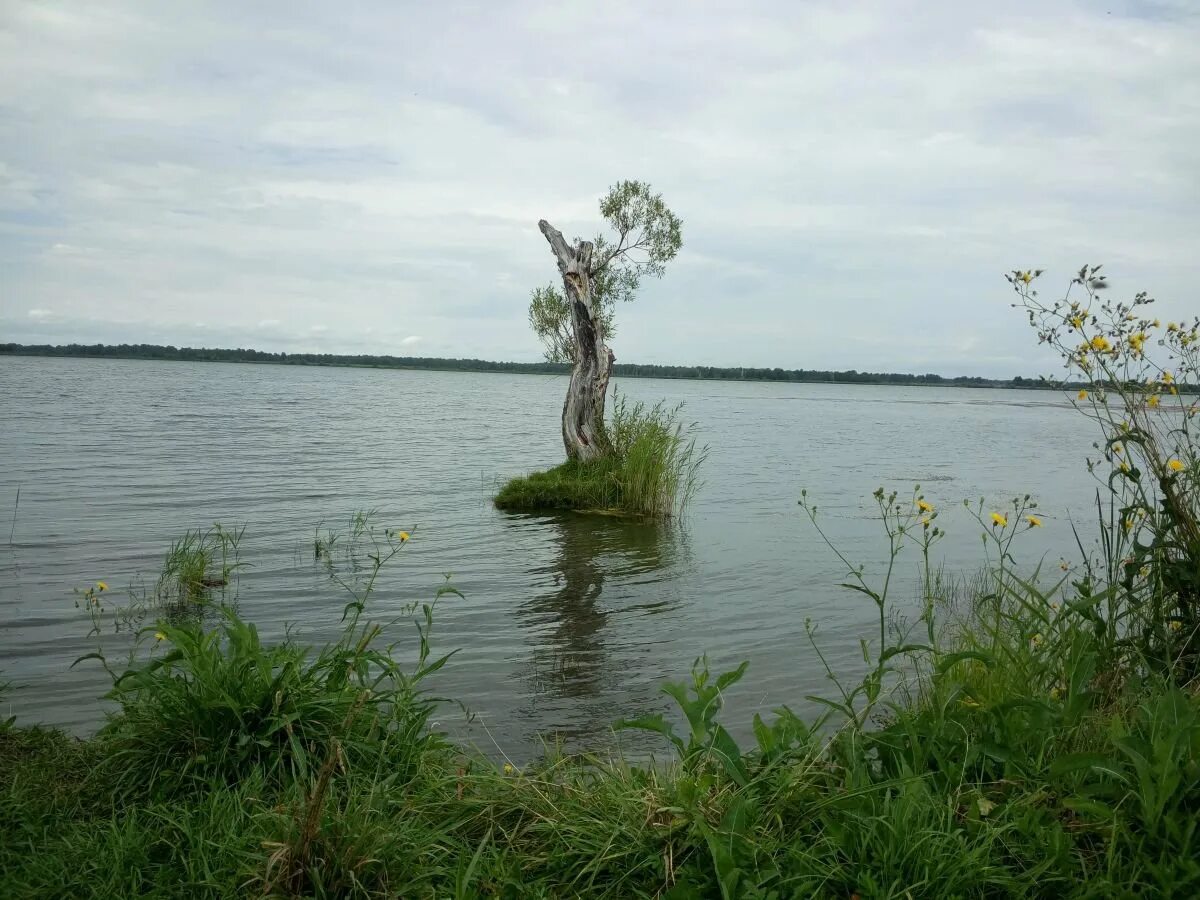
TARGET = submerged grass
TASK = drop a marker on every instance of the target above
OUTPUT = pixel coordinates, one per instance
(650, 468)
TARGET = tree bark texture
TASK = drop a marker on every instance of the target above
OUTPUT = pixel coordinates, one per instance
(583, 410)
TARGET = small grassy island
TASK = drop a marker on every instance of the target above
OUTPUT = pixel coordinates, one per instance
(648, 468)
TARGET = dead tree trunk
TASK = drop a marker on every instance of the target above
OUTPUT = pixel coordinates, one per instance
(583, 410)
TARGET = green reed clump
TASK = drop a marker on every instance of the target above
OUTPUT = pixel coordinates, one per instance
(198, 563)
(650, 468)
(211, 703)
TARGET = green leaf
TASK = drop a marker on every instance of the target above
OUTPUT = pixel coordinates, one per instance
(727, 750)
(1070, 763)
(732, 677)
(904, 648)
(840, 707)
(1089, 807)
(655, 723)
(949, 661)
(861, 589)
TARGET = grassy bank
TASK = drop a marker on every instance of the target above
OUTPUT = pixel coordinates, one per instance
(1022, 754)
(650, 468)
(1007, 742)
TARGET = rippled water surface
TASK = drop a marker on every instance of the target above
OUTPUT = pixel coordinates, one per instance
(566, 624)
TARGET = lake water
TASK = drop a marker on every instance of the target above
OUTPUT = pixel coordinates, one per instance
(566, 624)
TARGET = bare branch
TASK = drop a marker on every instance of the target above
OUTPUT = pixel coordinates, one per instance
(570, 259)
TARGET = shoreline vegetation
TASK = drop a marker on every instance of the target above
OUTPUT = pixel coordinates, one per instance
(1026, 730)
(447, 364)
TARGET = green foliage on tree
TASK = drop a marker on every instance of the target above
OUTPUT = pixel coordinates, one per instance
(647, 235)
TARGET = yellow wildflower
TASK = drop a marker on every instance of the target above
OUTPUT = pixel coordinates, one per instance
(1136, 340)
(1167, 377)
(1171, 326)
(924, 507)
(101, 586)
(1173, 390)
(1117, 449)
(1152, 402)
(508, 769)
(159, 636)
(1026, 277)
(1055, 692)
(1175, 465)
(1129, 524)
(1034, 521)
(925, 522)
(1100, 343)
(1000, 519)
(1083, 395)
(403, 536)
(1124, 467)
(1076, 321)
(1176, 625)
(1036, 640)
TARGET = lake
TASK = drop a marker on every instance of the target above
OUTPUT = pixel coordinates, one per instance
(566, 623)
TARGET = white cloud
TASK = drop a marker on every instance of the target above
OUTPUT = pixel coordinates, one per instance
(411, 340)
(39, 315)
(852, 180)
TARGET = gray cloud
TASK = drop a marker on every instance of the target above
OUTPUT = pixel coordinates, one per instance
(853, 178)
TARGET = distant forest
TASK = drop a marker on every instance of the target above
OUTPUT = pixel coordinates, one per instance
(626, 370)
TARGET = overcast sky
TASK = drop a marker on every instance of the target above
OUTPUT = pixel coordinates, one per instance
(853, 178)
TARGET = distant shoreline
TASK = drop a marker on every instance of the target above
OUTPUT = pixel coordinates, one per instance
(445, 364)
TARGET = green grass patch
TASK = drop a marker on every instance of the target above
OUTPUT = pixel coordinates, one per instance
(650, 468)
(574, 485)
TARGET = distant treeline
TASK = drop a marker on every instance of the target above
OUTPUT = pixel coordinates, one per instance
(629, 370)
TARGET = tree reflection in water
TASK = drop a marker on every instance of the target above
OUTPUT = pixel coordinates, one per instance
(590, 633)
